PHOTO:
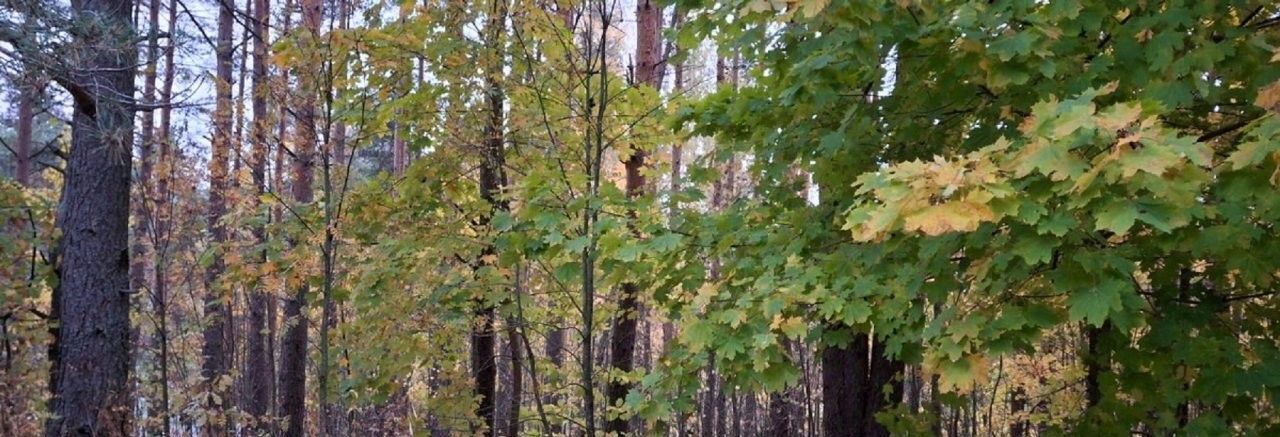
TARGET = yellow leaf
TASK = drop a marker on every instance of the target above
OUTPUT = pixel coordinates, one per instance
(1269, 97)
(813, 7)
(963, 216)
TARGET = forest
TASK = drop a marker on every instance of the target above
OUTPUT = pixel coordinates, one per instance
(728, 218)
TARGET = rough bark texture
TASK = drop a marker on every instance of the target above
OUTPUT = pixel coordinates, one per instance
(90, 356)
(293, 347)
(26, 118)
(260, 367)
(844, 373)
(216, 349)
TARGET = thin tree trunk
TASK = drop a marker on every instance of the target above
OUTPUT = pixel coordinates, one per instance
(238, 142)
(517, 379)
(143, 214)
(91, 298)
(594, 146)
(399, 156)
(162, 210)
(27, 96)
(707, 416)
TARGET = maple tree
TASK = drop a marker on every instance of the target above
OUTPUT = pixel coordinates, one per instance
(690, 217)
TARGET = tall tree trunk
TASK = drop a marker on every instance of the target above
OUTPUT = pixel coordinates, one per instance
(275, 342)
(293, 356)
(493, 180)
(217, 299)
(623, 342)
(260, 368)
(145, 213)
(162, 209)
(844, 373)
(90, 356)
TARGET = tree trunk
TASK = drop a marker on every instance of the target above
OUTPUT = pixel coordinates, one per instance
(844, 373)
(293, 354)
(884, 389)
(399, 154)
(142, 258)
(517, 379)
(780, 415)
(1096, 363)
(217, 299)
(90, 356)
(27, 96)
(707, 416)
(493, 180)
(623, 342)
(1017, 403)
(260, 368)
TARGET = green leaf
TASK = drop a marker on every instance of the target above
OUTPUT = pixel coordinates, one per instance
(1117, 216)
(1094, 305)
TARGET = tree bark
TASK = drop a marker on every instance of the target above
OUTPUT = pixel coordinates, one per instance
(293, 354)
(844, 373)
(90, 354)
(780, 415)
(884, 389)
(623, 342)
(517, 379)
(493, 180)
(1096, 363)
(260, 366)
(26, 118)
(216, 348)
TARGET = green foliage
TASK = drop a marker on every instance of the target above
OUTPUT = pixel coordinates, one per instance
(988, 173)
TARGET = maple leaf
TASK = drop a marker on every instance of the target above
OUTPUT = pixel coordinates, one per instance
(960, 216)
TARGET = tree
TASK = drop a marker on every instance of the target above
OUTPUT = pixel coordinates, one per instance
(293, 356)
(217, 332)
(91, 350)
(623, 341)
(261, 366)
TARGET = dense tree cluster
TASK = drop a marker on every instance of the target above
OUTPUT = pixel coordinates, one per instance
(628, 217)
